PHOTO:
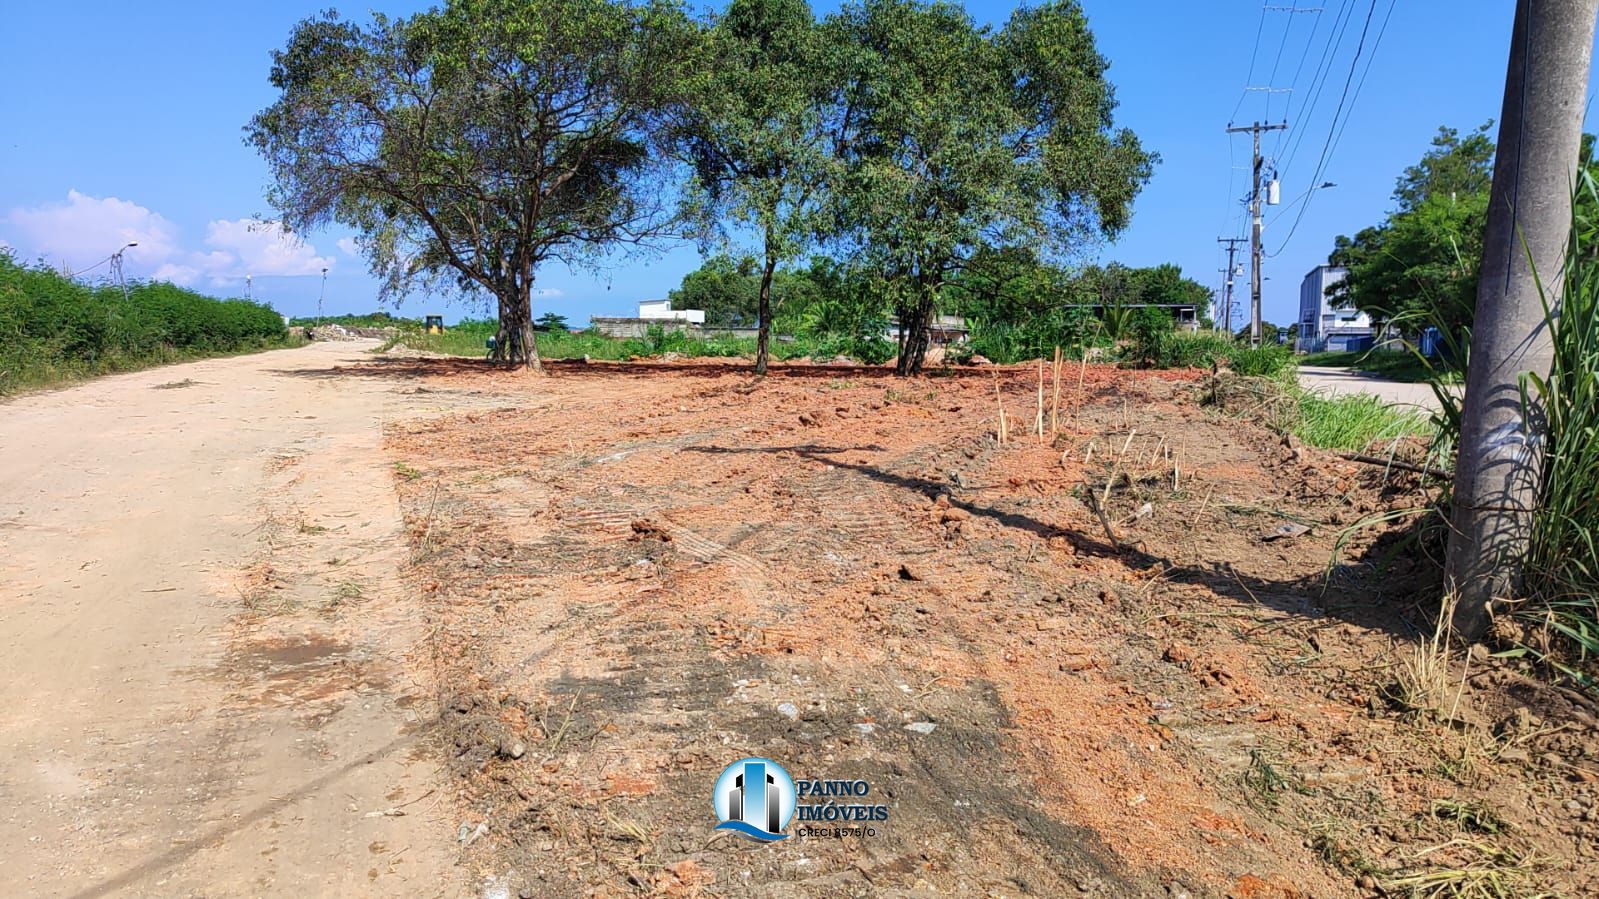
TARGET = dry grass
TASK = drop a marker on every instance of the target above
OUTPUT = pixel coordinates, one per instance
(1473, 870)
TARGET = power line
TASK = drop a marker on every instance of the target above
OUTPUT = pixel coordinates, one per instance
(92, 267)
(1252, 54)
(1318, 80)
(1299, 69)
(1333, 127)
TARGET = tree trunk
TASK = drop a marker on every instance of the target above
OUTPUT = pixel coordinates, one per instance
(514, 345)
(763, 312)
(917, 333)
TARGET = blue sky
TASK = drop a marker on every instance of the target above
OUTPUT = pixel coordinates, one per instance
(126, 119)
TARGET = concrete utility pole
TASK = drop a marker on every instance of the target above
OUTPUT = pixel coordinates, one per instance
(1254, 232)
(1498, 474)
(1227, 309)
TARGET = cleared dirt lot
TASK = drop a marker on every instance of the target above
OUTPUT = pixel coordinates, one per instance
(432, 629)
(638, 573)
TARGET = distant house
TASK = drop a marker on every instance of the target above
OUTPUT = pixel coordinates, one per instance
(945, 329)
(656, 313)
(1323, 326)
(1184, 316)
(662, 310)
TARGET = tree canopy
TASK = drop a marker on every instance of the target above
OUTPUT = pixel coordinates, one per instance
(475, 142)
(470, 144)
(1419, 266)
(760, 137)
(958, 137)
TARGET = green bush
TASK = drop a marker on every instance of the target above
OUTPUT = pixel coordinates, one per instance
(53, 329)
(1265, 360)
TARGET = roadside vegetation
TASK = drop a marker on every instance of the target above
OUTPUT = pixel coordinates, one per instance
(54, 330)
(470, 338)
(1555, 620)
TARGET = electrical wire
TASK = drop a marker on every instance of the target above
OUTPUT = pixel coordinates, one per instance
(1333, 129)
(1250, 77)
(92, 267)
(1293, 86)
(1318, 81)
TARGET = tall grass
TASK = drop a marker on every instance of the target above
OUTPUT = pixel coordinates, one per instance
(53, 329)
(1561, 568)
(1353, 422)
(1562, 571)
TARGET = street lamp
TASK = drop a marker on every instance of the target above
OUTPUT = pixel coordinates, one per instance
(249, 294)
(323, 292)
(116, 267)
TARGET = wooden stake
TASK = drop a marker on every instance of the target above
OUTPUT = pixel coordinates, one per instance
(1054, 406)
(1038, 422)
(1081, 371)
(1000, 402)
(1114, 463)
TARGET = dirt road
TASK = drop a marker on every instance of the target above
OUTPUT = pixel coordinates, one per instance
(199, 652)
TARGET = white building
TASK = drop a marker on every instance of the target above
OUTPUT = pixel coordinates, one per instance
(661, 310)
(1323, 326)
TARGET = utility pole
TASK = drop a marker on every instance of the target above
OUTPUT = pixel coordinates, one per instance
(1257, 130)
(1227, 309)
(1498, 475)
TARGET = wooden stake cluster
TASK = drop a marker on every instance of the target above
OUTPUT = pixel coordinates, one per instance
(1003, 431)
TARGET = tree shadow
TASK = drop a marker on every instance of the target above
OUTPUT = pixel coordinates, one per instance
(1304, 596)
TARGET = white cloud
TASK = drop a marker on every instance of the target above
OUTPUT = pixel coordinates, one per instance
(349, 246)
(85, 230)
(177, 274)
(548, 292)
(247, 246)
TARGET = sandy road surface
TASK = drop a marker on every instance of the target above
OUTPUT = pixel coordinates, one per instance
(1342, 381)
(200, 687)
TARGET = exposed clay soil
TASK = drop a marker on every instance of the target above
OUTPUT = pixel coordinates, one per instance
(631, 575)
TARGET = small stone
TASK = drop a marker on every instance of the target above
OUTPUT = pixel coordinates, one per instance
(1366, 882)
(906, 573)
(1514, 755)
(788, 710)
(517, 750)
(921, 727)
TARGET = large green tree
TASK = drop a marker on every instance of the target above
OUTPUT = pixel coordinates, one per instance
(1419, 266)
(473, 143)
(959, 137)
(760, 137)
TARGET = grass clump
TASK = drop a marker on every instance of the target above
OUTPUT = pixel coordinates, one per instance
(1352, 422)
(1471, 869)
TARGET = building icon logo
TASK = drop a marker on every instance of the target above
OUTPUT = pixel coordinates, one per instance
(755, 797)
